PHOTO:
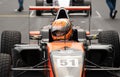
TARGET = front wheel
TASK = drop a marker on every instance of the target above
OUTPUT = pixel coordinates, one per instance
(111, 37)
(8, 40)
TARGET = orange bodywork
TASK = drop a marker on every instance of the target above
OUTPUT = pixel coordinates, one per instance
(59, 45)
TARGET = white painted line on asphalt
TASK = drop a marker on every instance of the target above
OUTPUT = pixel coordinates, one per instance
(98, 14)
(26, 15)
(83, 21)
(47, 14)
(31, 14)
(78, 14)
(14, 15)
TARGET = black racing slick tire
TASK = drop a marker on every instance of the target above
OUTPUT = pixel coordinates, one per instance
(49, 1)
(111, 37)
(5, 65)
(88, 12)
(8, 40)
(39, 3)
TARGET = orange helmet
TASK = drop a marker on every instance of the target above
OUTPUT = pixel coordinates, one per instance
(61, 29)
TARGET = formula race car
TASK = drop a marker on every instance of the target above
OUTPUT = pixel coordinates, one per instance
(60, 51)
(63, 3)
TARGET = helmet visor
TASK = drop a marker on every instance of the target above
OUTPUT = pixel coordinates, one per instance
(59, 30)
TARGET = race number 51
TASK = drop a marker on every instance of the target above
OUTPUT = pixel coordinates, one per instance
(67, 62)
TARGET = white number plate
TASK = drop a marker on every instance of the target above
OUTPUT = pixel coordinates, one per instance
(67, 62)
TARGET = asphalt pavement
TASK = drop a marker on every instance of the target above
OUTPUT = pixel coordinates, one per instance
(12, 20)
